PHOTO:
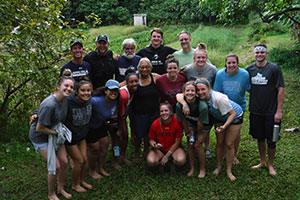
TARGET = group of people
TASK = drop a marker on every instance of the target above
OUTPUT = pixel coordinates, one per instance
(166, 94)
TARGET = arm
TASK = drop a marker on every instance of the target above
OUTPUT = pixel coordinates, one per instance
(173, 148)
(280, 99)
(41, 128)
(185, 107)
(230, 118)
(155, 76)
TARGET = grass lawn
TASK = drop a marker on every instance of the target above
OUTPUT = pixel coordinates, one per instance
(23, 173)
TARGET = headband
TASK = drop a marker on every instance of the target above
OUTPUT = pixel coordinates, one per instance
(260, 48)
(202, 82)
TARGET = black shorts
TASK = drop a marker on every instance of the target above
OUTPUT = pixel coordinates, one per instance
(95, 134)
(261, 126)
(73, 142)
(236, 121)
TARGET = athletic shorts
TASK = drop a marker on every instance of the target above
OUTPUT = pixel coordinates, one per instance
(40, 146)
(95, 134)
(73, 142)
(207, 127)
(143, 123)
(261, 126)
(236, 121)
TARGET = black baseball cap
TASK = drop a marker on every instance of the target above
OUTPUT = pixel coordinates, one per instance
(102, 37)
(73, 42)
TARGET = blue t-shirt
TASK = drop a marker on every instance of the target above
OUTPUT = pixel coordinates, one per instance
(123, 64)
(78, 71)
(234, 86)
(101, 111)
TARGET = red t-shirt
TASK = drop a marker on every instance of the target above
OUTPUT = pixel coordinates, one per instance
(171, 131)
(124, 101)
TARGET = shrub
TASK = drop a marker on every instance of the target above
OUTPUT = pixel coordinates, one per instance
(287, 59)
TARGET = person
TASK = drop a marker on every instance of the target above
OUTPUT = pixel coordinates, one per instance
(103, 65)
(78, 67)
(227, 118)
(200, 68)
(156, 52)
(171, 83)
(194, 125)
(52, 111)
(129, 60)
(234, 82)
(126, 96)
(145, 105)
(265, 105)
(103, 108)
(77, 120)
(165, 137)
(186, 54)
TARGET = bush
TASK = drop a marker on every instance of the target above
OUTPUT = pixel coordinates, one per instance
(287, 59)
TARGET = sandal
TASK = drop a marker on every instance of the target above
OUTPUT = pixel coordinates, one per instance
(208, 153)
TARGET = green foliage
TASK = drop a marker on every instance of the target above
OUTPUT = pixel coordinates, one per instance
(33, 39)
(288, 59)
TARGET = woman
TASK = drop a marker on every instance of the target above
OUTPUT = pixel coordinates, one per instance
(78, 117)
(165, 137)
(193, 124)
(145, 105)
(171, 83)
(126, 96)
(103, 108)
(234, 82)
(201, 68)
(52, 111)
(227, 118)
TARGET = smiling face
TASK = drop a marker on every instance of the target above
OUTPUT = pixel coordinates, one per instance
(102, 47)
(172, 69)
(260, 56)
(185, 41)
(165, 112)
(77, 51)
(203, 91)
(231, 66)
(132, 83)
(84, 92)
(65, 88)
(111, 95)
(200, 58)
(129, 51)
(156, 39)
(144, 68)
(189, 92)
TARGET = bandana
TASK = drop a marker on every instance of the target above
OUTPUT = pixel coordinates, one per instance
(260, 48)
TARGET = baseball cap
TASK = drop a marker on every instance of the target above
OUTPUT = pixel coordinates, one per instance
(102, 37)
(73, 42)
(112, 84)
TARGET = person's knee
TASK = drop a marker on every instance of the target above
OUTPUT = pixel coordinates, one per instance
(229, 146)
(151, 161)
(179, 160)
(198, 144)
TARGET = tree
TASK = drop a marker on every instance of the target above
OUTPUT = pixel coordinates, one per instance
(33, 38)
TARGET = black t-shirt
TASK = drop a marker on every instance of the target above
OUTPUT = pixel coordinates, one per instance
(103, 67)
(157, 57)
(265, 82)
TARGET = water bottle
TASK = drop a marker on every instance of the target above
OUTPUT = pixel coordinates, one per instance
(276, 133)
(116, 151)
(192, 138)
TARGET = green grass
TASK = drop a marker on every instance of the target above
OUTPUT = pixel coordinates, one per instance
(23, 173)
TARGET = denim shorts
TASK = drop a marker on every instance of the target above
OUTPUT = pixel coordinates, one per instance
(40, 146)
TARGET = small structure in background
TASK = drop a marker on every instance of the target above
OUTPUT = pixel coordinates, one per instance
(140, 19)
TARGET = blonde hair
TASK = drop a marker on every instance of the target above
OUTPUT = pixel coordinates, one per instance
(202, 47)
(203, 81)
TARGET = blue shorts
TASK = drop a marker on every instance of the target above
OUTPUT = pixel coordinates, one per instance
(40, 146)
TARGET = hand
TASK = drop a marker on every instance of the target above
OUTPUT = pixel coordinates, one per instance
(278, 116)
(185, 109)
(164, 160)
(116, 57)
(220, 129)
(32, 119)
(157, 146)
(181, 69)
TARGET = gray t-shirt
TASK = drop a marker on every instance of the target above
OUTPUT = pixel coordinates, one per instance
(209, 72)
(50, 113)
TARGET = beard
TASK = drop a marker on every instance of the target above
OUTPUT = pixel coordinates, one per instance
(129, 55)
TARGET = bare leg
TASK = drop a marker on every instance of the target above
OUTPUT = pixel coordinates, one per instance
(179, 157)
(123, 145)
(191, 159)
(93, 149)
(271, 155)
(219, 151)
(236, 148)
(201, 154)
(262, 154)
(207, 141)
(154, 157)
(62, 172)
(84, 169)
(104, 143)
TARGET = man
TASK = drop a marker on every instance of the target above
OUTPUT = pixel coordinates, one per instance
(78, 67)
(266, 100)
(186, 54)
(103, 65)
(156, 52)
(128, 60)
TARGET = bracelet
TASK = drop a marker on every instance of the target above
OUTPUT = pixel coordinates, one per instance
(170, 152)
